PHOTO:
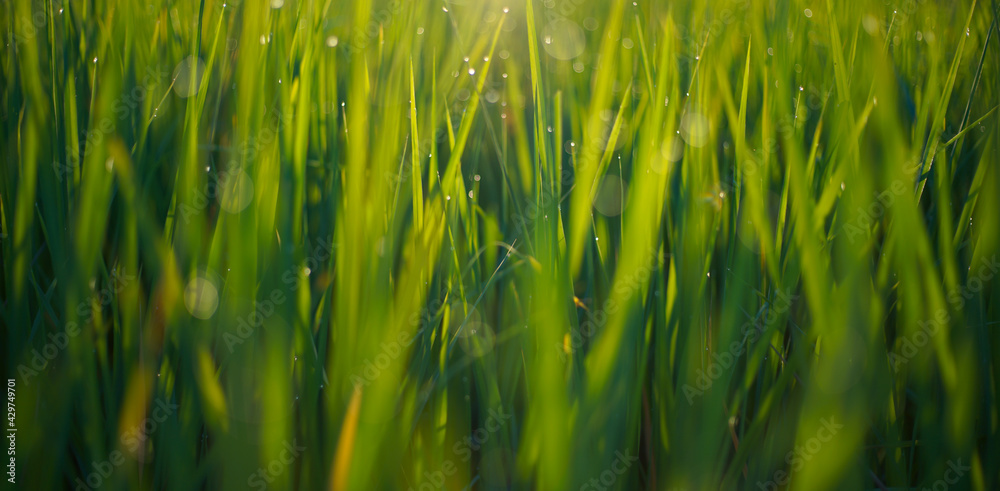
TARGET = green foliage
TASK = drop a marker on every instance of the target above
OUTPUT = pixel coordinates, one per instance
(572, 244)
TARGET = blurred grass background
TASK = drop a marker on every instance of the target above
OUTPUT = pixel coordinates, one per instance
(297, 245)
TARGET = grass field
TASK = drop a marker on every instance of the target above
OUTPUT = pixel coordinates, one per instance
(478, 244)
